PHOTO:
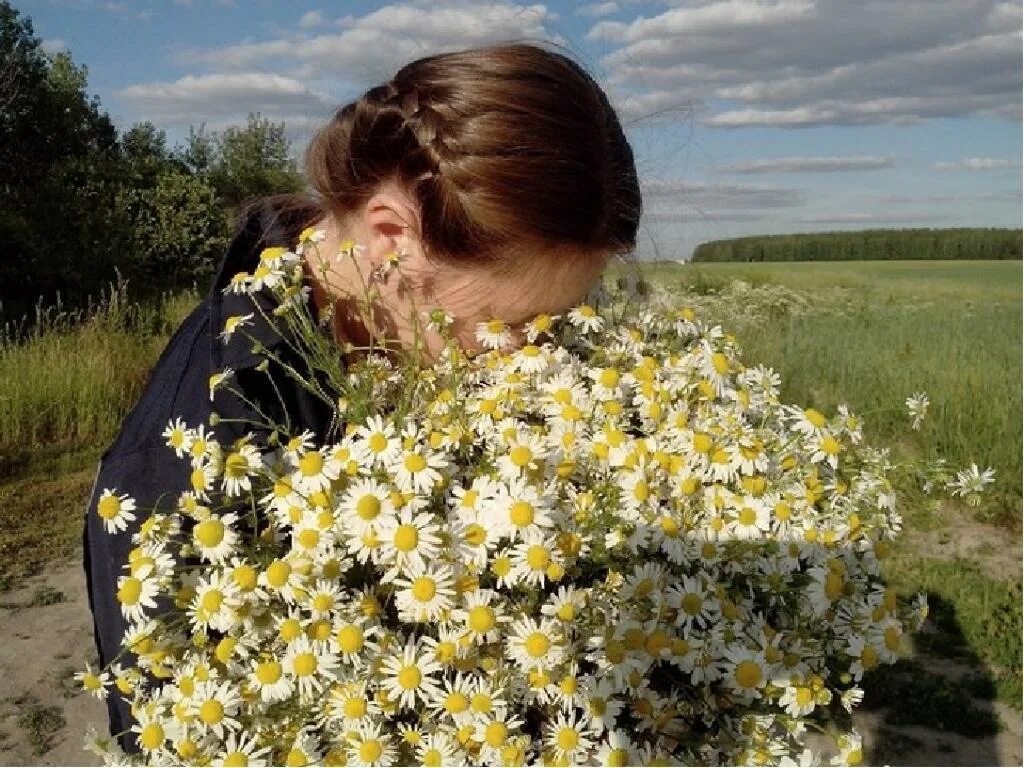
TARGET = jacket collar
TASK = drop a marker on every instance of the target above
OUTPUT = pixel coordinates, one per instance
(242, 256)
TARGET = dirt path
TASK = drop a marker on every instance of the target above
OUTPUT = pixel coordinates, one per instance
(47, 629)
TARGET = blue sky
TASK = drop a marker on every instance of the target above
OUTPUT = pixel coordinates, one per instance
(779, 115)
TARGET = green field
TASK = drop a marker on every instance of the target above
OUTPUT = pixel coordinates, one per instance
(868, 334)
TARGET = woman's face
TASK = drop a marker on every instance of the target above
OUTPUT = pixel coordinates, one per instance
(403, 294)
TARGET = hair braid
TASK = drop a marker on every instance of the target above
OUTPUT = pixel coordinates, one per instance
(504, 148)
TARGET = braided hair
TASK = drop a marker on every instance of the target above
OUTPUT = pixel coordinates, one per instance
(507, 148)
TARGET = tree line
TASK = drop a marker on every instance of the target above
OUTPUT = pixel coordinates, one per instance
(873, 244)
(81, 202)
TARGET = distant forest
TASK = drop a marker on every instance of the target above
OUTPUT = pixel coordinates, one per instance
(871, 244)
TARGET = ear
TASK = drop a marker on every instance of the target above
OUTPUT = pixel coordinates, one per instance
(392, 224)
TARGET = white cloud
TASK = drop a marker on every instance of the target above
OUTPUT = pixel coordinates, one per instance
(870, 218)
(978, 164)
(702, 196)
(195, 99)
(371, 48)
(311, 19)
(811, 164)
(598, 9)
(53, 45)
(797, 63)
(710, 217)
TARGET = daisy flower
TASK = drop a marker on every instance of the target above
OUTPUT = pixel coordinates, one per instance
(517, 509)
(752, 519)
(217, 380)
(539, 325)
(417, 469)
(746, 671)
(409, 676)
(315, 470)
(409, 539)
(377, 442)
(177, 436)
(353, 705)
(268, 679)
(136, 595)
(115, 511)
(239, 750)
(232, 324)
(600, 701)
(215, 602)
(617, 749)
(493, 334)
(525, 452)
(481, 615)
(214, 537)
(215, 706)
(353, 641)
(238, 467)
(94, 683)
(452, 699)
(585, 318)
(797, 700)
(533, 558)
(426, 593)
(533, 643)
(439, 748)
(370, 747)
(311, 666)
(365, 502)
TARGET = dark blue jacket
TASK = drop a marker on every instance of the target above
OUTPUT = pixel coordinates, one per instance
(139, 462)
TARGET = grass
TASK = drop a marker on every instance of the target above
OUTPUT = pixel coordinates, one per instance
(40, 723)
(67, 378)
(66, 382)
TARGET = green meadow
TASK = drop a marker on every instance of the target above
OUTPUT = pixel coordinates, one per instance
(867, 334)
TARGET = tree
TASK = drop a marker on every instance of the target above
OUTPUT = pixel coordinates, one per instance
(244, 161)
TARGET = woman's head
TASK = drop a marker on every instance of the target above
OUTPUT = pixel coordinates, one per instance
(501, 172)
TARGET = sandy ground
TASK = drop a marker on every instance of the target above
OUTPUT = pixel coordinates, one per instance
(45, 644)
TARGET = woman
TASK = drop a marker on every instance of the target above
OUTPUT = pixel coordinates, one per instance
(500, 178)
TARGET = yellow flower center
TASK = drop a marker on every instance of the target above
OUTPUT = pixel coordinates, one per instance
(235, 465)
(406, 537)
(456, 702)
(748, 674)
(211, 712)
(305, 664)
(521, 455)
(521, 514)
(424, 589)
(129, 591)
(350, 638)
(311, 464)
(278, 573)
(568, 739)
(268, 672)
(409, 677)
(210, 532)
(152, 736)
(108, 507)
(537, 644)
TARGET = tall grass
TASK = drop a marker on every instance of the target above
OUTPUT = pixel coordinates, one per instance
(68, 377)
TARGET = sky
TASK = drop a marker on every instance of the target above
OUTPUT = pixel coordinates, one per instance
(745, 116)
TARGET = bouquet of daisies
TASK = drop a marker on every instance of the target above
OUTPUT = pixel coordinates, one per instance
(611, 546)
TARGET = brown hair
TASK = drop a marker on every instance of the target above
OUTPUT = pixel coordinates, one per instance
(504, 147)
